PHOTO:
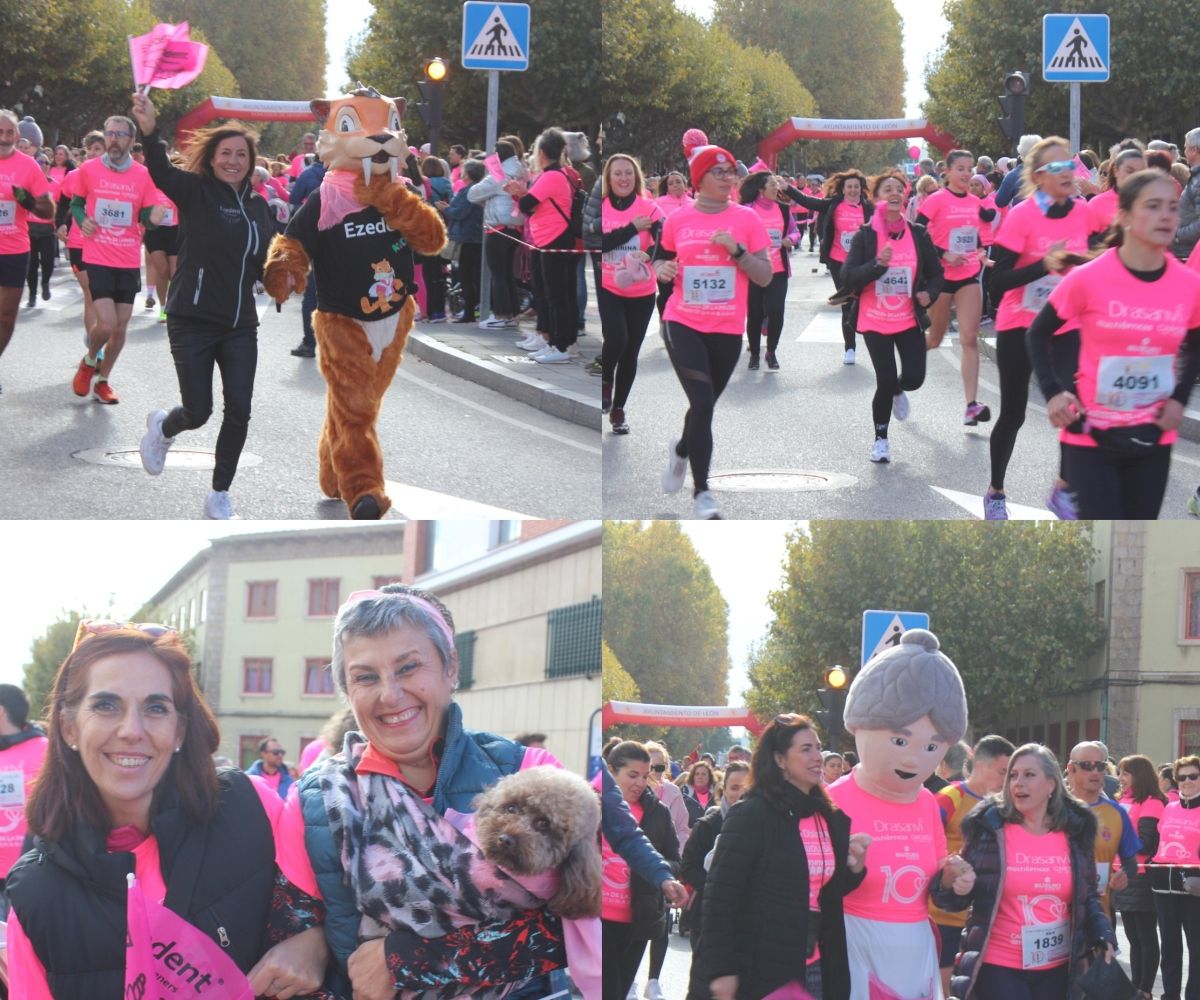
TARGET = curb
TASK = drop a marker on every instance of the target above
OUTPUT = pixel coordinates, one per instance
(562, 403)
(1189, 430)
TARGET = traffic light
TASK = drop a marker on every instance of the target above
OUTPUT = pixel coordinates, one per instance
(1012, 103)
(832, 696)
(431, 85)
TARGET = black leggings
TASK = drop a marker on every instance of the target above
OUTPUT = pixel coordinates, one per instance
(1109, 487)
(1179, 919)
(1012, 359)
(623, 323)
(433, 271)
(196, 348)
(703, 363)
(469, 260)
(835, 269)
(1142, 931)
(995, 982)
(767, 303)
(42, 250)
(500, 251)
(658, 953)
(559, 271)
(622, 956)
(883, 348)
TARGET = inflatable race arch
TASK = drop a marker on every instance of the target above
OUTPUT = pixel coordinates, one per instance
(630, 713)
(242, 109)
(851, 129)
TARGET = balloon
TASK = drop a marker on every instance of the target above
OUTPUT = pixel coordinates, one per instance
(914, 152)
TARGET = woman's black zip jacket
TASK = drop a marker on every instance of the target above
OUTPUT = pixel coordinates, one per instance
(223, 238)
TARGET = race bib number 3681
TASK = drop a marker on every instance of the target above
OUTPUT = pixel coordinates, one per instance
(708, 285)
(111, 213)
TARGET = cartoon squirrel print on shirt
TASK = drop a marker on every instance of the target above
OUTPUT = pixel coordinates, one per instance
(382, 293)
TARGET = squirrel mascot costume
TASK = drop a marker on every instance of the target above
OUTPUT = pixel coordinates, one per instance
(359, 232)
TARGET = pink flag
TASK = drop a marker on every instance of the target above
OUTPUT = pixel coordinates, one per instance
(1081, 168)
(492, 162)
(164, 952)
(166, 58)
(760, 167)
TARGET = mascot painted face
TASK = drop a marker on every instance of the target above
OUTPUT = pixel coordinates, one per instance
(358, 231)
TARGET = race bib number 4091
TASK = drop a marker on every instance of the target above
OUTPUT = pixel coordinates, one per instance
(1133, 383)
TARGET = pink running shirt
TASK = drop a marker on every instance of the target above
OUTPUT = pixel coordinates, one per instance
(908, 843)
(612, 218)
(1029, 232)
(1036, 892)
(18, 170)
(954, 225)
(1130, 332)
(711, 292)
(549, 219)
(847, 220)
(617, 899)
(886, 305)
(1102, 210)
(1178, 836)
(1148, 808)
(113, 201)
(19, 765)
(772, 219)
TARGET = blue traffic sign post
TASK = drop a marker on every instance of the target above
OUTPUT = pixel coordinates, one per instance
(882, 629)
(1075, 50)
(495, 37)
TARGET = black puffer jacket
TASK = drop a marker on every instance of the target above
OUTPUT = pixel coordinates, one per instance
(223, 238)
(1138, 896)
(983, 848)
(827, 207)
(649, 906)
(755, 920)
(860, 268)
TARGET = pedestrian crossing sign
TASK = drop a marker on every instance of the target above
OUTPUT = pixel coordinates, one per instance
(1075, 48)
(495, 35)
(882, 629)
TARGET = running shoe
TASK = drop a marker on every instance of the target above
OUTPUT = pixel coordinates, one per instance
(155, 444)
(1062, 503)
(673, 474)
(706, 508)
(985, 320)
(45, 293)
(495, 323)
(83, 377)
(303, 350)
(619, 426)
(753, 364)
(848, 357)
(653, 991)
(162, 315)
(218, 506)
(531, 343)
(633, 993)
(32, 300)
(976, 413)
(149, 301)
(900, 405)
(772, 362)
(994, 506)
(880, 452)
(1193, 504)
(552, 356)
(436, 318)
(102, 392)
(594, 367)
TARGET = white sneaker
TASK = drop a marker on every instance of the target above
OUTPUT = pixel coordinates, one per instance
(531, 343)
(880, 452)
(653, 991)
(218, 506)
(900, 406)
(552, 356)
(633, 992)
(705, 507)
(154, 444)
(672, 477)
(848, 358)
(493, 322)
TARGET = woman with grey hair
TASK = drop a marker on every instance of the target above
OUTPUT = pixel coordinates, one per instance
(373, 832)
(1036, 919)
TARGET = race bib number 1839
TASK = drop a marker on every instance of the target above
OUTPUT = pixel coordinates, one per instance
(1045, 944)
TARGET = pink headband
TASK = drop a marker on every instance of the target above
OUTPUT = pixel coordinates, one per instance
(367, 595)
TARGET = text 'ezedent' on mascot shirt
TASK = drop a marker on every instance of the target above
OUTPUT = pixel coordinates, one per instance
(113, 200)
(1129, 336)
(907, 845)
(361, 265)
(711, 292)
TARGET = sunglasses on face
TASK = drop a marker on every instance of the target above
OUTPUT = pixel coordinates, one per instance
(1187, 777)
(98, 626)
(1089, 765)
(1056, 167)
(658, 768)
(275, 753)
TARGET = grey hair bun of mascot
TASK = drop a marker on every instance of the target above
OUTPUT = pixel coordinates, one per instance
(906, 682)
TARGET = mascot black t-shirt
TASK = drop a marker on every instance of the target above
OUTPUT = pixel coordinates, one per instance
(363, 269)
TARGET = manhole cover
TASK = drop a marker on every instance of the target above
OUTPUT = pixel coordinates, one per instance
(177, 458)
(780, 480)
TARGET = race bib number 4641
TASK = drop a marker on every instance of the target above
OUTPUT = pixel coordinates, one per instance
(707, 285)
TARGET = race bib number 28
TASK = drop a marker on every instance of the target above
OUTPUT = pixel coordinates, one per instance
(12, 789)
(708, 285)
(8, 213)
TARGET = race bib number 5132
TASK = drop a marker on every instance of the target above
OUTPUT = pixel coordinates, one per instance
(708, 285)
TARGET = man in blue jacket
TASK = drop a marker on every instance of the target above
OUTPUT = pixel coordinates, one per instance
(269, 766)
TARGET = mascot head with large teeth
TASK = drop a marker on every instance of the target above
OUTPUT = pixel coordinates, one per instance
(361, 131)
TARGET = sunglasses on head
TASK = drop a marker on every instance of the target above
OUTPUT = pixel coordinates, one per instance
(98, 626)
(1089, 765)
(1056, 167)
(658, 768)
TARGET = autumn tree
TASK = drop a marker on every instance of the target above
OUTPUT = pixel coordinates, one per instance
(46, 654)
(561, 86)
(615, 682)
(1148, 94)
(1012, 608)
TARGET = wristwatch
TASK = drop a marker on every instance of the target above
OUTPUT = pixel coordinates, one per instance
(739, 252)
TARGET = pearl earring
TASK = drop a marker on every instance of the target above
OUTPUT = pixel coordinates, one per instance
(177, 749)
(75, 747)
